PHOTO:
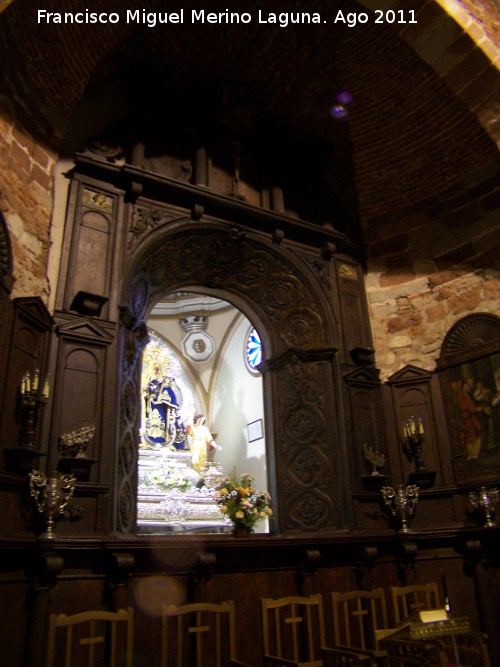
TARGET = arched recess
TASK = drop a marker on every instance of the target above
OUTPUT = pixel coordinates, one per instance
(281, 295)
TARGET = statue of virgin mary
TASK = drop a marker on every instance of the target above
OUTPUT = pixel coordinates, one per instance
(163, 426)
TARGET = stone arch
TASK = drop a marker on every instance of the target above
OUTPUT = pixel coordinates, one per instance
(280, 293)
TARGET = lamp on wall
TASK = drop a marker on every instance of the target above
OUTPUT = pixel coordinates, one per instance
(33, 394)
(413, 440)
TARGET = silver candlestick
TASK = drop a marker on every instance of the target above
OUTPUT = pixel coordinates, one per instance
(51, 494)
(485, 499)
(74, 442)
(374, 459)
(401, 502)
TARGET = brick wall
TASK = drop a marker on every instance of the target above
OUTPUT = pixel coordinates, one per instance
(26, 190)
(424, 132)
(428, 268)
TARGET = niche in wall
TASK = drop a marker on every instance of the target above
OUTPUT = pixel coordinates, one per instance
(197, 350)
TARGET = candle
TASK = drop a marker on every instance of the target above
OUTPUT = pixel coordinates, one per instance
(27, 379)
(420, 426)
(46, 388)
(23, 385)
(36, 378)
(445, 591)
(412, 426)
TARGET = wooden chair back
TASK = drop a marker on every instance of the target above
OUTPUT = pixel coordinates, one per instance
(201, 634)
(91, 639)
(409, 599)
(359, 617)
(293, 630)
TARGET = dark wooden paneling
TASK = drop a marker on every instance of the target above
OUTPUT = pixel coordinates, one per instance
(72, 576)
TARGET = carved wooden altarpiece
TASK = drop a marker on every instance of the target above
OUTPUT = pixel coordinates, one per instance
(273, 286)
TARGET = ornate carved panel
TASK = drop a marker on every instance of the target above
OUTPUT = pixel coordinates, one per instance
(27, 350)
(365, 424)
(89, 252)
(289, 301)
(144, 219)
(226, 258)
(134, 337)
(306, 469)
(352, 307)
(81, 384)
(472, 336)
(415, 394)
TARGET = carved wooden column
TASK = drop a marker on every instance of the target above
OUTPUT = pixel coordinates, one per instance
(307, 459)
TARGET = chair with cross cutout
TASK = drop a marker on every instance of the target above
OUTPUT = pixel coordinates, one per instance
(98, 638)
(360, 622)
(407, 600)
(200, 634)
(294, 635)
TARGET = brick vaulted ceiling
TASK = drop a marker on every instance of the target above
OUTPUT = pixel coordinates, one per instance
(421, 121)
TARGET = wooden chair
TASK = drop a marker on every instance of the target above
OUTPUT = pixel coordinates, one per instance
(199, 635)
(409, 599)
(360, 622)
(470, 646)
(294, 635)
(102, 637)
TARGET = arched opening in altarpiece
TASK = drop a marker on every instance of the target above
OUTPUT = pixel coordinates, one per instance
(287, 298)
(196, 363)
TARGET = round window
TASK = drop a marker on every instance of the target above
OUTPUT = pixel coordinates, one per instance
(253, 350)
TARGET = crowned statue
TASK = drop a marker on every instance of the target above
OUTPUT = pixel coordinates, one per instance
(176, 474)
(163, 425)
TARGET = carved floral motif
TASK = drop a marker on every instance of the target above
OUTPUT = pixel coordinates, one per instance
(306, 466)
(145, 219)
(303, 423)
(309, 510)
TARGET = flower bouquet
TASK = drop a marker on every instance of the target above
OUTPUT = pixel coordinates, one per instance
(241, 503)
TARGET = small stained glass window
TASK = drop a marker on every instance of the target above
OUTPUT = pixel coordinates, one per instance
(253, 349)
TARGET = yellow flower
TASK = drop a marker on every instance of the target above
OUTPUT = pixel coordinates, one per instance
(269, 511)
(223, 508)
(223, 492)
(239, 515)
(262, 515)
(243, 491)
